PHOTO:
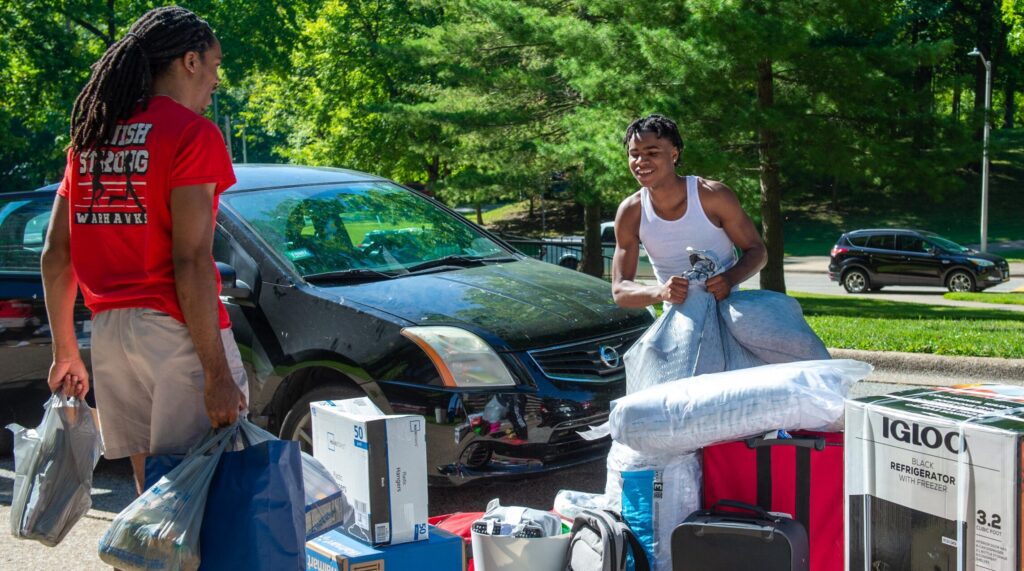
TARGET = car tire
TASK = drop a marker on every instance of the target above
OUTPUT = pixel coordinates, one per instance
(570, 262)
(297, 424)
(961, 281)
(856, 281)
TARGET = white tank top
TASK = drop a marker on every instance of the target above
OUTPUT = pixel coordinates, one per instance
(666, 240)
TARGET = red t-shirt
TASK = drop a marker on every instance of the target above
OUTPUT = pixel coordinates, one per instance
(121, 236)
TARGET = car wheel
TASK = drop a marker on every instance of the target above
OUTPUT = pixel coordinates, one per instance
(961, 281)
(856, 281)
(298, 423)
(571, 263)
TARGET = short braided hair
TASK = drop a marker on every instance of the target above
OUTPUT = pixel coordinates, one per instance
(661, 126)
(123, 77)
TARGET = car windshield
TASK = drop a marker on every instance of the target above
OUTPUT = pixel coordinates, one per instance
(945, 244)
(360, 229)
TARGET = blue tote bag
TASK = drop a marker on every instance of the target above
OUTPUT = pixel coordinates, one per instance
(255, 516)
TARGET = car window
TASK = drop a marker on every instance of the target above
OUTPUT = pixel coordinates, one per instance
(608, 234)
(946, 244)
(371, 225)
(23, 226)
(910, 243)
(860, 240)
(880, 241)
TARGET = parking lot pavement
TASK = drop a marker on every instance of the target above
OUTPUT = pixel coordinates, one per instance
(113, 490)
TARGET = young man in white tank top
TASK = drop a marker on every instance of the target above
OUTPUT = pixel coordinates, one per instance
(670, 213)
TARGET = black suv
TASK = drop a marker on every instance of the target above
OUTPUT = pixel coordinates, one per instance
(343, 284)
(865, 260)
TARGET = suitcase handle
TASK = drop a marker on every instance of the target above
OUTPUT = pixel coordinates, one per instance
(765, 532)
(740, 506)
(798, 441)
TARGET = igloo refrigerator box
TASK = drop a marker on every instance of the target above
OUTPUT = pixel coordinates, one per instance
(380, 462)
(933, 479)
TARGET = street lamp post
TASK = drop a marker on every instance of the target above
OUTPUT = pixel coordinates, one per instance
(984, 160)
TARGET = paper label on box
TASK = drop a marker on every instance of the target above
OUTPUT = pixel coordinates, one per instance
(952, 471)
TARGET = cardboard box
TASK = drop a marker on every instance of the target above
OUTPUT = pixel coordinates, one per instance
(380, 461)
(933, 479)
(336, 551)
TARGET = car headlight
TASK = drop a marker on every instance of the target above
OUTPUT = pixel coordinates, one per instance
(981, 263)
(463, 359)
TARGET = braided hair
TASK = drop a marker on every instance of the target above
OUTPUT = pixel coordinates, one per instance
(661, 126)
(123, 77)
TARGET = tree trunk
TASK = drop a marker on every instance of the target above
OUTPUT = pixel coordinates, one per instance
(433, 174)
(1010, 108)
(772, 277)
(531, 207)
(593, 259)
(111, 22)
(957, 90)
(479, 215)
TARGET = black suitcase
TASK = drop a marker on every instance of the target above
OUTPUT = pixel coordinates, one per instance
(719, 540)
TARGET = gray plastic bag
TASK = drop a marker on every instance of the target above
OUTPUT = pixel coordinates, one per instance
(702, 336)
(53, 471)
(160, 529)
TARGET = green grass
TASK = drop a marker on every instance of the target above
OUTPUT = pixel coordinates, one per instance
(1002, 298)
(878, 325)
(1012, 255)
(844, 322)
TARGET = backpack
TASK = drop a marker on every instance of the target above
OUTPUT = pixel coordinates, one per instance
(600, 541)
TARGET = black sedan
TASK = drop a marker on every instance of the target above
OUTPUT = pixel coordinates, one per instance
(865, 260)
(342, 284)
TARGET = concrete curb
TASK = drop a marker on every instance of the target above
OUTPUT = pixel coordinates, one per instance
(937, 370)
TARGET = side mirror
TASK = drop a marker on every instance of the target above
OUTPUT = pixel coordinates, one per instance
(230, 285)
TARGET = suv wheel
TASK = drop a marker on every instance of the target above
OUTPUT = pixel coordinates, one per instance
(856, 281)
(298, 424)
(961, 281)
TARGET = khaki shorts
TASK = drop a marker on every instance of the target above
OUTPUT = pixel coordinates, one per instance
(149, 382)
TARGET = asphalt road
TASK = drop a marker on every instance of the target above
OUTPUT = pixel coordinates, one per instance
(810, 275)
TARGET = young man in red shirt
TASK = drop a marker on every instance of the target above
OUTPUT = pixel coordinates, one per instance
(132, 226)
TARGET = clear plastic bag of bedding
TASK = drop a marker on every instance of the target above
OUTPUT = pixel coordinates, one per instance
(160, 529)
(53, 470)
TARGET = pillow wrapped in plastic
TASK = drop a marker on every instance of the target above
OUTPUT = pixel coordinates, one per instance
(685, 415)
(160, 529)
(700, 336)
(53, 471)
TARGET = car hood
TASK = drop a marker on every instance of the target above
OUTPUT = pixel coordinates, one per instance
(515, 306)
(998, 260)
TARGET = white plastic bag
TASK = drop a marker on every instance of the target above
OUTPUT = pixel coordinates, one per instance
(53, 471)
(160, 529)
(683, 416)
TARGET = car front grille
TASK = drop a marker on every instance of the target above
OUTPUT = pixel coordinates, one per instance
(582, 362)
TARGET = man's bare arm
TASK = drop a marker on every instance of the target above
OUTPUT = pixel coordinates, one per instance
(60, 288)
(726, 208)
(625, 291)
(196, 282)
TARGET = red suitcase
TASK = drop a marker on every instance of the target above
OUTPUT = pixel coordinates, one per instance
(769, 473)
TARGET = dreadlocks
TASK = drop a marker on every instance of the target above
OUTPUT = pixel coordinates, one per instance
(661, 126)
(123, 77)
